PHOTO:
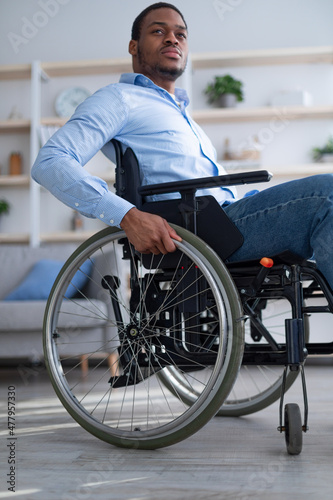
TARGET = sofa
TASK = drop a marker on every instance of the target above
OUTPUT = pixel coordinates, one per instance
(21, 317)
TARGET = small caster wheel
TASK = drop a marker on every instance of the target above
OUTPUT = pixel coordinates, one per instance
(293, 429)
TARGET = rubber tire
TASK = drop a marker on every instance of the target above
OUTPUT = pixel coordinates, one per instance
(293, 428)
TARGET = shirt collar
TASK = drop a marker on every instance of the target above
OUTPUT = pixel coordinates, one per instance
(143, 81)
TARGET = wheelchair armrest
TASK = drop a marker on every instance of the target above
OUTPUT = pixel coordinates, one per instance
(206, 182)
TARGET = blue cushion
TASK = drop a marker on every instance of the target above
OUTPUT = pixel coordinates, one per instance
(39, 281)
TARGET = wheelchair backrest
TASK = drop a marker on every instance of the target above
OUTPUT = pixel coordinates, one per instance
(127, 174)
(202, 215)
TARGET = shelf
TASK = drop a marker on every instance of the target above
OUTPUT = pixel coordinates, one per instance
(53, 121)
(304, 170)
(68, 68)
(219, 115)
(14, 238)
(8, 126)
(239, 165)
(66, 236)
(15, 72)
(294, 171)
(61, 237)
(90, 67)
(14, 180)
(263, 57)
(107, 177)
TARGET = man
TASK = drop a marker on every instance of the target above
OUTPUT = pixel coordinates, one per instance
(146, 112)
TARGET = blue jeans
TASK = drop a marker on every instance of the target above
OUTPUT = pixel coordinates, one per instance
(295, 216)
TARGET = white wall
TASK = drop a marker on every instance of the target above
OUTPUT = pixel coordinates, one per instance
(89, 29)
(58, 30)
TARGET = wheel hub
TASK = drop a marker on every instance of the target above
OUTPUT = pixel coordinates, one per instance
(133, 331)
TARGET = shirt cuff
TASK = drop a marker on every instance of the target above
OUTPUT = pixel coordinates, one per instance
(111, 209)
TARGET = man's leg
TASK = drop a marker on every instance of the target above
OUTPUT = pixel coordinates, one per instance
(295, 216)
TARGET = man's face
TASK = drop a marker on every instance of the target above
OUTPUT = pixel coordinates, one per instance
(162, 49)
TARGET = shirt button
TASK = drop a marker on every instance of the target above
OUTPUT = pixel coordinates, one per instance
(101, 216)
(76, 204)
(111, 221)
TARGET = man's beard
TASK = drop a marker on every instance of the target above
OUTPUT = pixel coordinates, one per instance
(170, 74)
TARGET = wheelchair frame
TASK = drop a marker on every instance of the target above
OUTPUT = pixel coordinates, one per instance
(245, 287)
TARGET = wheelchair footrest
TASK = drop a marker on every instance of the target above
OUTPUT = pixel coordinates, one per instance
(132, 377)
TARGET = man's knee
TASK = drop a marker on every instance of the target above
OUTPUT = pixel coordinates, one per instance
(324, 182)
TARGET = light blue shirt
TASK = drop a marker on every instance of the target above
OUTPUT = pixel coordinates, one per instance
(169, 146)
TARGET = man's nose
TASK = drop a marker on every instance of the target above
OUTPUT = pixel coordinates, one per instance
(170, 38)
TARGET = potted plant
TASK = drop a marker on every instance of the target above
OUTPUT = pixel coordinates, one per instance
(225, 91)
(324, 154)
(4, 207)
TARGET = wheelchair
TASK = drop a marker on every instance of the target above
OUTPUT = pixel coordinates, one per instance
(181, 337)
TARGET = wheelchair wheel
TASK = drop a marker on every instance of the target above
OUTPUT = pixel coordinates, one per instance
(256, 386)
(259, 386)
(135, 318)
(293, 429)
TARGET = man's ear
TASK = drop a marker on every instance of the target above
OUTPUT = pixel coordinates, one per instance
(133, 47)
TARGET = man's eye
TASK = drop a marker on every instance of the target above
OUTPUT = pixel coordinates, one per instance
(182, 35)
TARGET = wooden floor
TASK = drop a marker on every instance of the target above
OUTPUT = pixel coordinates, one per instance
(230, 458)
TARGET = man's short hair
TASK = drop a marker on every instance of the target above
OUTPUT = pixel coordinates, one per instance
(137, 25)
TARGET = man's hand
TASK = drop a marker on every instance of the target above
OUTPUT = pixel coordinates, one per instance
(149, 233)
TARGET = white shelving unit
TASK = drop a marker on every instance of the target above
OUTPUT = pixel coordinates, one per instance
(37, 71)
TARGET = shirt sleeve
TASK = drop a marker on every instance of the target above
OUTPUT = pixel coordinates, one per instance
(58, 166)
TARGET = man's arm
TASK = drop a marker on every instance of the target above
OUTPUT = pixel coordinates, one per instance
(58, 167)
(149, 233)
(59, 164)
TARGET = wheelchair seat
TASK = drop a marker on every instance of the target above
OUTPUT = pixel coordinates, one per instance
(285, 257)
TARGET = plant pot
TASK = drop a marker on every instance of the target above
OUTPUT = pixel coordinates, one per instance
(228, 101)
(326, 158)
